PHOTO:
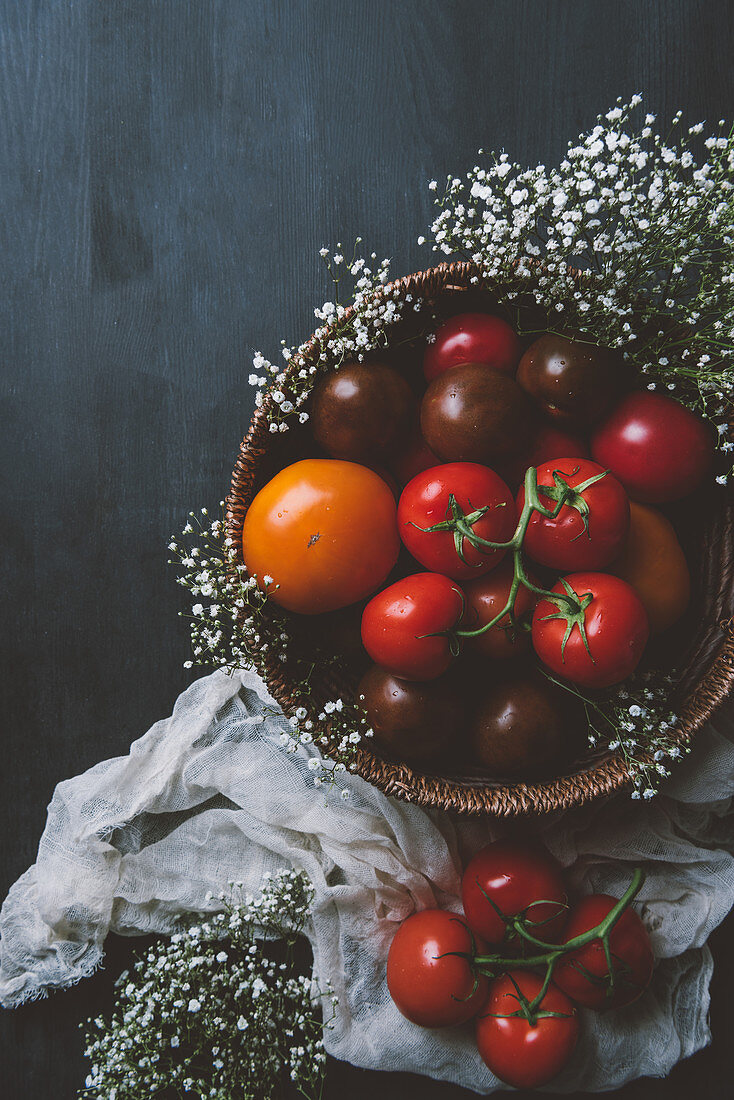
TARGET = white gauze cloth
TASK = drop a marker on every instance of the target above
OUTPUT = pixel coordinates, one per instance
(210, 795)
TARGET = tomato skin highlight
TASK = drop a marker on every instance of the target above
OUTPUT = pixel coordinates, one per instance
(431, 991)
(325, 530)
(630, 948)
(513, 876)
(472, 338)
(564, 542)
(518, 1052)
(425, 502)
(657, 448)
(616, 627)
(402, 626)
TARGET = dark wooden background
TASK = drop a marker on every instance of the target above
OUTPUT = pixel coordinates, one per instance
(168, 171)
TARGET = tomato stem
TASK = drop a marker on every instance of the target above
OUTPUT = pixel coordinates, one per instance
(570, 606)
(550, 953)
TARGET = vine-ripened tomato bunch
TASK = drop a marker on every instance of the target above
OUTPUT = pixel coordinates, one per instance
(519, 961)
(496, 531)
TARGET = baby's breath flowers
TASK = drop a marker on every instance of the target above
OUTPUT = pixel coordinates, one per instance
(212, 1014)
(647, 222)
(224, 621)
(634, 720)
(347, 331)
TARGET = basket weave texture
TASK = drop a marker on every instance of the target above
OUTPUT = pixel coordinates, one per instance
(706, 673)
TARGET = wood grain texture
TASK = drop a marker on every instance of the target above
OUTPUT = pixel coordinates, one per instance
(169, 170)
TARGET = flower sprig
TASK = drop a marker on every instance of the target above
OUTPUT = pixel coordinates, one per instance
(646, 222)
(635, 720)
(225, 619)
(348, 330)
(210, 1013)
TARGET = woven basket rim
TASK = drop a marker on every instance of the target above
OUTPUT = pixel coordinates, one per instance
(603, 778)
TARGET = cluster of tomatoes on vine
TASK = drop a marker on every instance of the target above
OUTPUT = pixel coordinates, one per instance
(519, 961)
(525, 519)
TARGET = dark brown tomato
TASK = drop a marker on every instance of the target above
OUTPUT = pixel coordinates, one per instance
(474, 413)
(524, 727)
(485, 598)
(361, 411)
(572, 382)
(413, 721)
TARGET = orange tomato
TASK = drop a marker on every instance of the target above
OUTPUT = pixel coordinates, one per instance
(653, 562)
(325, 530)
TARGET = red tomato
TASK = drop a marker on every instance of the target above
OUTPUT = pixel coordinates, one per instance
(413, 457)
(658, 449)
(472, 338)
(584, 974)
(589, 531)
(429, 986)
(485, 598)
(514, 877)
(548, 442)
(403, 626)
(521, 1053)
(615, 623)
(325, 531)
(425, 502)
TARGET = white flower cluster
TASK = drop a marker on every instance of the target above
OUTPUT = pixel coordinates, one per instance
(649, 229)
(212, 1014)
(347, 332)
(224, 621)
(635, 721)
(339, 727)
(229, 629)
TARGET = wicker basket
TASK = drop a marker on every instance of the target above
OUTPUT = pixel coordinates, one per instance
(706, 663)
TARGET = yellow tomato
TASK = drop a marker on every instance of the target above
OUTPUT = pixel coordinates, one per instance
(653, 562)
(325, 531)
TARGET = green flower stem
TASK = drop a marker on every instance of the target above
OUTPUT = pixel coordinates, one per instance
(550, 953)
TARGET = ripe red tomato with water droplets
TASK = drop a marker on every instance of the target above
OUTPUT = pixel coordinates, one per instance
(425, 502)
(615, 624)
(657, 448)
(584, 973)
(590, 529)
(547, 443)
(430, 986)
(524, 1054)
(405, 628)
(472, 338)
(485, 598)
(513, 877)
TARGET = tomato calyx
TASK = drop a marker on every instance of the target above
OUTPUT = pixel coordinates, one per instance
(461, 524)
(572, 496)
(547, 955)
(529, 1010)
(572, 616)
(511, 932)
